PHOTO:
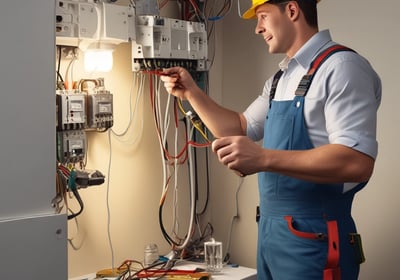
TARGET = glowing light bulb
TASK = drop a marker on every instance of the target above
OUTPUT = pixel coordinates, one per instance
(98, 60)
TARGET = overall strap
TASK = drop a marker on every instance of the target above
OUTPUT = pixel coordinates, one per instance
(274, 85)
(305, 82)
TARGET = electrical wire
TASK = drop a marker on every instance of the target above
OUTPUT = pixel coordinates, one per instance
(192, 193)
(162, 4)
(234, 217)
(79, 199)
(138, 80)
(194, 119)
(175, 211)
(69, 71)
(162, 121)
(239, 9)
(222, 12)
(108, 201)
(202, 212)
(66, 181)
(59, 80)
(71, 240)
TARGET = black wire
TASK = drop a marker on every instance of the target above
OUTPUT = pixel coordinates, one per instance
(207, 184)
(79, 199)
(164, 232)
(59, 76)
(163, 263)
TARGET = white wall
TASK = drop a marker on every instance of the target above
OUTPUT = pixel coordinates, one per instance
(371, 29)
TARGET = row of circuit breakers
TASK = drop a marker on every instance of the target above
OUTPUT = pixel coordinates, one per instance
(157, 42)
(78, 112)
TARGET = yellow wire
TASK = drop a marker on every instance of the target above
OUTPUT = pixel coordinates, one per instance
(196, 124)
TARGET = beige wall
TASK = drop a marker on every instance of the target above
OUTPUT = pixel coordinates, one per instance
(242, 64)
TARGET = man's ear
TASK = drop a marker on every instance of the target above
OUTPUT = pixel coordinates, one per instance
(293, 10)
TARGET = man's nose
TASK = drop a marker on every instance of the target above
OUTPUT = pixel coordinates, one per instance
(259, 29)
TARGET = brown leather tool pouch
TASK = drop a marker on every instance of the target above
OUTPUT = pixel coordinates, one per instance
(355, 241)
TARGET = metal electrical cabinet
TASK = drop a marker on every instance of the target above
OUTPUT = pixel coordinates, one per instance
(33, 242)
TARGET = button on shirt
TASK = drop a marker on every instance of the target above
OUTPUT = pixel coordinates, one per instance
(341, 104)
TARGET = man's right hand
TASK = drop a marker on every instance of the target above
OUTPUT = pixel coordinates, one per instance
(178, 82)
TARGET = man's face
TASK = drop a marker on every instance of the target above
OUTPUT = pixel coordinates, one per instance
(275, 26)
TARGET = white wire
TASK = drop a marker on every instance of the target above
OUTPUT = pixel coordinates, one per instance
(161, 140)
(236, 215)
(167, 118)
(108, 202)
(175, 219)
(131, 112)
(164, 123)
(192, 189)
(239, 9)
(71, 240)
(67, 71)
(139, 80)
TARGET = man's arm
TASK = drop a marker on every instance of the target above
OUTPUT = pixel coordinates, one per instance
(331, 163)
(219, 120)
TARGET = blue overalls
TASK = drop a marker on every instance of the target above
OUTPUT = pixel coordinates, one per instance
(294, 241)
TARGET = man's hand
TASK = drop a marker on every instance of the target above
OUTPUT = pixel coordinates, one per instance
(239, 153)
(179, 82)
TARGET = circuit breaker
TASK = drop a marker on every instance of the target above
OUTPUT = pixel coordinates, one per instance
(164, 42)
(71, 146)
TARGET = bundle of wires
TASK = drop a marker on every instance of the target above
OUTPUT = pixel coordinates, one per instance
(183, 155)
(68, 179)
(132, 269)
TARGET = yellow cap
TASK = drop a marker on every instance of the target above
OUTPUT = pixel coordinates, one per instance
(251, 12)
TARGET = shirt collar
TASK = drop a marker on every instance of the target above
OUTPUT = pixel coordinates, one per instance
(308, 51)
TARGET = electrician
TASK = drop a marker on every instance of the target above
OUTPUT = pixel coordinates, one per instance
(319, 149)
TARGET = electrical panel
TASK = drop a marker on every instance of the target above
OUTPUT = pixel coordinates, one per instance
(87, 23)
(164, 42)
(78, 111)
(75, 21)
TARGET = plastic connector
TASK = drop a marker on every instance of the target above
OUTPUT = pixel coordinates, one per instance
(86, 178)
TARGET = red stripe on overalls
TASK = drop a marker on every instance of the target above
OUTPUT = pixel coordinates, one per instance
(332, 269)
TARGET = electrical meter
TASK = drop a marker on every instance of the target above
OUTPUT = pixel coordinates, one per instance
(71, 110)
(100, 110)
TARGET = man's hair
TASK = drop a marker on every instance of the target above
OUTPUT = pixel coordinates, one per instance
(308, 7)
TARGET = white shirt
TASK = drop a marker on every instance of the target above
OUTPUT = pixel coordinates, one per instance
(341, 104)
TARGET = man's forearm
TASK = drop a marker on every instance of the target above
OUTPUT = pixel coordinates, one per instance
(219, 120)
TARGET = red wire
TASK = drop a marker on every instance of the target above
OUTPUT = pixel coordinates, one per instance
(183, 152)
